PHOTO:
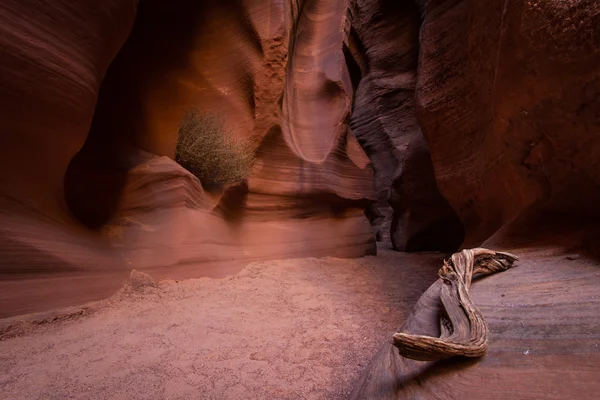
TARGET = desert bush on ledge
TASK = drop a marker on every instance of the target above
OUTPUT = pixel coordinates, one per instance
(212, 154)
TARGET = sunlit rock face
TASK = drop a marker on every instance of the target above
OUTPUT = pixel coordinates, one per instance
(275, 72)
(277, 75)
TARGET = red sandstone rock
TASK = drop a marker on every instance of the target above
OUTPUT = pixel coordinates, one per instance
(166, 220)
(309, 173)
(508, 98)
(54, 57)
(306, 193)
(506, 94)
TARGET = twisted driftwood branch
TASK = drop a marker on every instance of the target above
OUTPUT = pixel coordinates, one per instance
(464, 331)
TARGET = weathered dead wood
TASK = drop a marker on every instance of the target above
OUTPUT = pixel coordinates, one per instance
(464, 331)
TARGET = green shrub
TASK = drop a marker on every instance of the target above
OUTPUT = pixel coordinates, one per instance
(210, 152)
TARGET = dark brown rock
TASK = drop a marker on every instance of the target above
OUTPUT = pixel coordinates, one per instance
(422, 220)
(384, 45)
(505, 93)
(508, 99)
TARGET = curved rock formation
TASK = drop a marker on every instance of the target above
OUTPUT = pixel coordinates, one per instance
(227, 61)
(250, 63)
(168, 224)
(54, 57)
(479, 118)
(316, 80)
(508, 101)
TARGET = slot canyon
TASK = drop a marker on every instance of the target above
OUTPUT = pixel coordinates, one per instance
(385, 136)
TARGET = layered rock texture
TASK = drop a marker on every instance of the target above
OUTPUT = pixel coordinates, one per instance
(311, 180)
(470, 119)
(543, 335)
(508, 100)
(383, 47)
(276, 74)
(54, 57)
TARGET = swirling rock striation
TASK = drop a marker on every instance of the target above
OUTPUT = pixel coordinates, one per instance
(76, 203)
(384, 46)
(507, 99)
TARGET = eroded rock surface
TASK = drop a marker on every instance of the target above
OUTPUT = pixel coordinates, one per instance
(276, 73)
(54, 57)
(384, 46)
(508, 98)
(471, 114)
(277, 80)
(504, 96)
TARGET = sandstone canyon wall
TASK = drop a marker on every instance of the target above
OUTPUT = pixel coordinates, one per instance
(278, 78)
(54, 57)
(77, 217)
(507, 98)
(384, 45)
(345, 102)
(475, 120)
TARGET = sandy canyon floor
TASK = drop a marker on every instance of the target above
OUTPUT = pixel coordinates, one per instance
(307, 329)
(291, 329)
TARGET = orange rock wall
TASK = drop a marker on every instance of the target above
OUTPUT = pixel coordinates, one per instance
(90, 212)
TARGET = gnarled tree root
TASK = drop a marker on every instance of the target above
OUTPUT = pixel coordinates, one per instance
(464, 331)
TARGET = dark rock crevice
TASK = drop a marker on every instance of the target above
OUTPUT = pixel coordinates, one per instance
(385, 38)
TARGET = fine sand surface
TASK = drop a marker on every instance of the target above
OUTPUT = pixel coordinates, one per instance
(290, 329)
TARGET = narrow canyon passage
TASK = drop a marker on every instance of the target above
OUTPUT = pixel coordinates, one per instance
(238, 199)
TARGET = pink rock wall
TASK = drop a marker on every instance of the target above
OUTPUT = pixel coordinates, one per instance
(89, 216)
(470, 115)
(54, 57)
(283, 84)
